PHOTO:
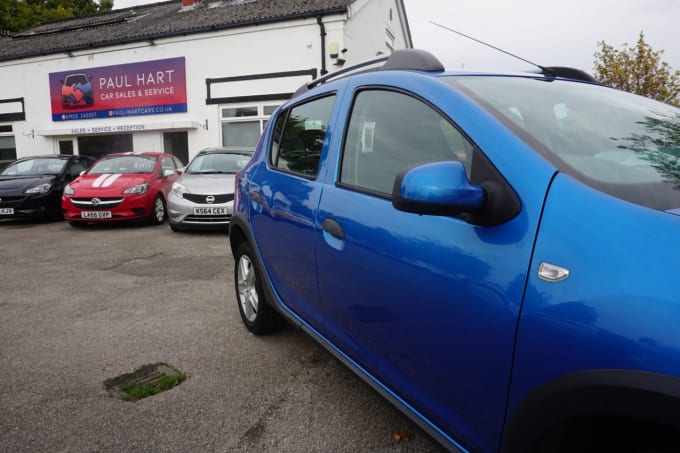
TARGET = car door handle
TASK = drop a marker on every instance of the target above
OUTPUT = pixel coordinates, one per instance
(333, 234)
(257, 198)
(333, 228)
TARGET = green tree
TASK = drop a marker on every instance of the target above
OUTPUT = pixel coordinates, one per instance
(638, 69)
(17, 15)
(658, 141)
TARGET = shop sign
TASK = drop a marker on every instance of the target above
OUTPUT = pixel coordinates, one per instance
(145, 88)
(108, 129)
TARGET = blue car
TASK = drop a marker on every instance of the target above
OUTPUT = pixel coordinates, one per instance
(496, 254)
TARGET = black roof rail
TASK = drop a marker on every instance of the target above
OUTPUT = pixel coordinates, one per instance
(566, 72)
(415, 59)
(408, 59)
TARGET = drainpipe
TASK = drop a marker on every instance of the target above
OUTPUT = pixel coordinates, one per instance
(322, 29)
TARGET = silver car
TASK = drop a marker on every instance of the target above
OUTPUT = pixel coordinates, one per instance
(204, 195)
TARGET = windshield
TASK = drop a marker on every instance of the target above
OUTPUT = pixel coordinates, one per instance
(39, 166)
(218, 163)
(124, 165)
(621, 144)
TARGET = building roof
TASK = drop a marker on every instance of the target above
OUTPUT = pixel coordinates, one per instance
(155, 21)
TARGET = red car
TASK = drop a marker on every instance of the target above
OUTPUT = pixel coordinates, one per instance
(122, 186)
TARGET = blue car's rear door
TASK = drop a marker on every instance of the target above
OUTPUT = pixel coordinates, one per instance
(285, 193)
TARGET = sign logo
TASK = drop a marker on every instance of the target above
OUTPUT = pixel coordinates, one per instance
(210, 199)
(96, 202)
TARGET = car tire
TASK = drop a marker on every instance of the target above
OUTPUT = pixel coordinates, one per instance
(157, 211)
(258, 316)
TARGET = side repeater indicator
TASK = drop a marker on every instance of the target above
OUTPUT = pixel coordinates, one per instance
(552, 272)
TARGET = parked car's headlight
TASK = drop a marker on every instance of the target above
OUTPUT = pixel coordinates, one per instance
(42, 188)
(68, 190)
(179, 189)
(139, 189)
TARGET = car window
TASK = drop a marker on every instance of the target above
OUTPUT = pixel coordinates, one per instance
(77, 78)
(389, 131)
(40, 166)
(168, 163)
(77, 166)
(621, 144)
(215, 163)
(124, 165)
(300, 136)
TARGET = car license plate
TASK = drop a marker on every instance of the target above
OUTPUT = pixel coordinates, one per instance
(96, 214)
(6, 211)
(210, 211)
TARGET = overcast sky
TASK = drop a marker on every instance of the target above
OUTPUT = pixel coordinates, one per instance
(548, 33)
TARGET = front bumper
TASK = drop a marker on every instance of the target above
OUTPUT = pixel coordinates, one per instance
(112, 209)
(183, 213)
(30, 206)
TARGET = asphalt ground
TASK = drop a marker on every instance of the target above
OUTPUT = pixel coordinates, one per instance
(81, 305)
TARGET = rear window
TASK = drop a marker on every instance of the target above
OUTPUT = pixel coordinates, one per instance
(625, 145)
(299, 137)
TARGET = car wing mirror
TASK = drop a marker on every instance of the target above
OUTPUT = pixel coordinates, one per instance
(437, 188)
(167, 172)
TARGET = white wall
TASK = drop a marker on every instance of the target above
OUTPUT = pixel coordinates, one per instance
(365, 35)
(288, 46)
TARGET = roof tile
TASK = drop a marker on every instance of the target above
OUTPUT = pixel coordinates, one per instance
(155, 21)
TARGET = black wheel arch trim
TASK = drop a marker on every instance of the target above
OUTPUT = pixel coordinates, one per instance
(645, 395)
(240, 223)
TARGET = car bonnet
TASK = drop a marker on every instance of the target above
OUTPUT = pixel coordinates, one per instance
(111, 181)
(208, 183)
(20, 183)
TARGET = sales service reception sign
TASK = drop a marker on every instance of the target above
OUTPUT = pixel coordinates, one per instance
(145, 88)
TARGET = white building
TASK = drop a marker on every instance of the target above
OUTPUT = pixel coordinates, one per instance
(177, 76)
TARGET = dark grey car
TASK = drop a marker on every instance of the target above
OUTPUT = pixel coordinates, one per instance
(31, 187)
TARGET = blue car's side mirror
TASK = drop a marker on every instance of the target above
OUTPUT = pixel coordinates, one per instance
(437, 188)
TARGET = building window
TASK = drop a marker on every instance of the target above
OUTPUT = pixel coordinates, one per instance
(8, 148)
(177, 144)
(66, 147)
(243, 124)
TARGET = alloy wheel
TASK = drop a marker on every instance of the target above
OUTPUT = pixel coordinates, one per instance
(159, 210)
(247, 291)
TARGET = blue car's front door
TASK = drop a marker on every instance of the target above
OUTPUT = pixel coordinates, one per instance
(430, 304)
